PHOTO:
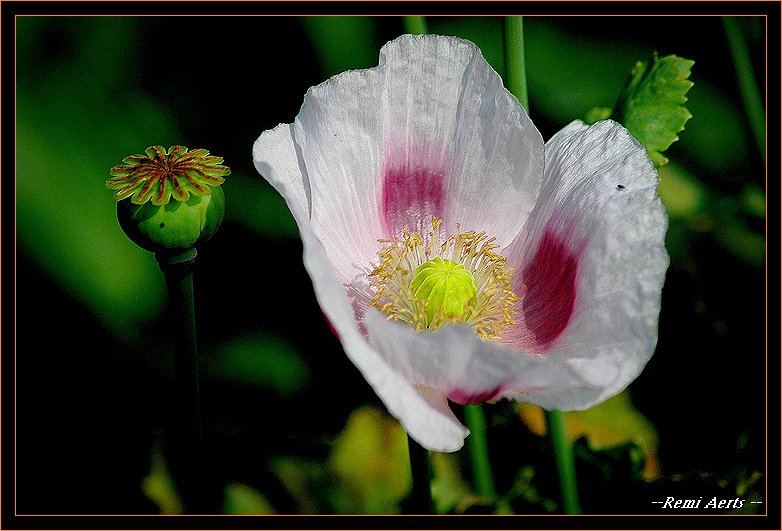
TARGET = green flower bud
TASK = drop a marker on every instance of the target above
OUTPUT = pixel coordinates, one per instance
(169, 201)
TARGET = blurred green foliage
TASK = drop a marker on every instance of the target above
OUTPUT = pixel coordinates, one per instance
(371, 463)
(243, 499)
(259, 360)
(286, 414)
(342, 43)
(76, 117)
(606, 425)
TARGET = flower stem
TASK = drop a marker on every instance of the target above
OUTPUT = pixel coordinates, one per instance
(515, 65)
(565, 462)
(186, 437)
(420, 499)
(750, 93)
(478, 448)
(516, 78)
(415, 25)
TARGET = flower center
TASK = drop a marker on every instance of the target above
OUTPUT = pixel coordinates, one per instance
(445, 287)
(428, 282)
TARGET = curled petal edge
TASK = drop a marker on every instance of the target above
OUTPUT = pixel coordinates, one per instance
(424, 414)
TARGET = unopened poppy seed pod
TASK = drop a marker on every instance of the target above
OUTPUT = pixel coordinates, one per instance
(145, 186)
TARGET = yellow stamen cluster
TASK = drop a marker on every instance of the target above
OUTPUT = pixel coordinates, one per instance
(395, 280)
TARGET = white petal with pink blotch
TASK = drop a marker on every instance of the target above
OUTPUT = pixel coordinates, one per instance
(432, 132)
(424, 415)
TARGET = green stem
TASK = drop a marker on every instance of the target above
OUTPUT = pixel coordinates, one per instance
(750, 93)
(515, 65)
(478, 448)
(420, 499)
(564, 460)
(187, 452)
(415, 25)
(516, 78)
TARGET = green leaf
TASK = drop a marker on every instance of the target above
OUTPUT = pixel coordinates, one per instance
(158, 485)
(305, 480)
(753, 200)
(696, 209)
(243, 499)
(683, 194)
(449, 488)
(596, 114)
(606, 425)
(370, 464)
(651, 104)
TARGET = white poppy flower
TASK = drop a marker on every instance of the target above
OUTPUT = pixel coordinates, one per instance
(456, 256)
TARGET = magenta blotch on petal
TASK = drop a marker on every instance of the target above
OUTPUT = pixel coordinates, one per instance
(412, 194)
(432, 133)
(549, 290)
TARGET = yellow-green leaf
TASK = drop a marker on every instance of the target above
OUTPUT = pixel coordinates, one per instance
(613, 422)
(371, 464)
(651, 104)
